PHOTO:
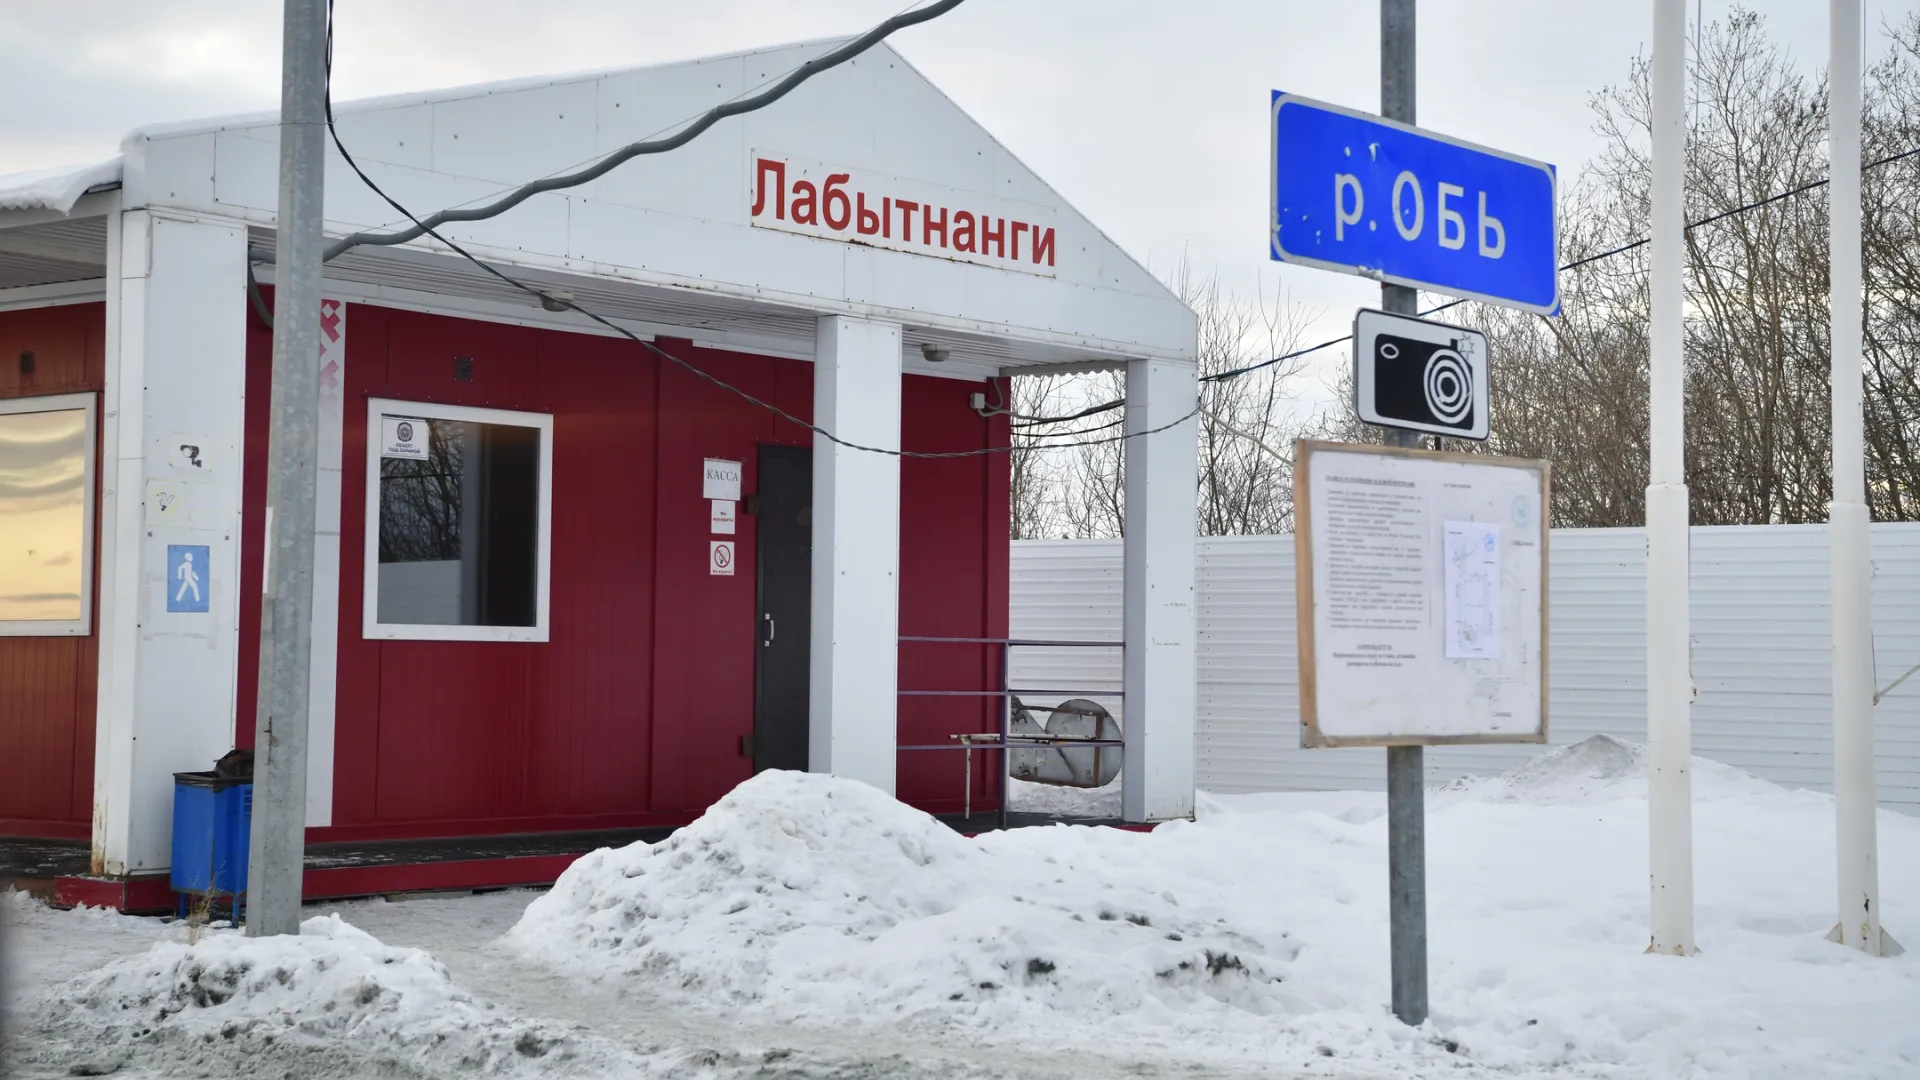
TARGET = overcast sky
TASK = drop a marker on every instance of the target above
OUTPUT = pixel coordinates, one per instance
(1148, 115)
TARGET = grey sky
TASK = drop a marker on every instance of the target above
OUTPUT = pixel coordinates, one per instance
(1149, 115)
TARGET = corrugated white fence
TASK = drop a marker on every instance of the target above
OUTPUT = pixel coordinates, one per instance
(1760, 627)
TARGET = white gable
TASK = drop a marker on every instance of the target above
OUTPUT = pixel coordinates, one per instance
(684, 220)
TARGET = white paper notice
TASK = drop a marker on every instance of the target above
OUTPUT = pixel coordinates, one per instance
(723, 517)
(1471, 569)
(720, 479)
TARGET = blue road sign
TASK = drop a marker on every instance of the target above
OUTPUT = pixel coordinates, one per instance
(187, 579)
(1363, 195)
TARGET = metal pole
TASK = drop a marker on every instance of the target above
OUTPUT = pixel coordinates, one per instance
(1669, 642)
(1848, 516)
(1406, 765)
(278, 845)
(1006, 730)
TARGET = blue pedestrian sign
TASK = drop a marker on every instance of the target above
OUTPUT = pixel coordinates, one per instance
(1362, 195)
(187, 580)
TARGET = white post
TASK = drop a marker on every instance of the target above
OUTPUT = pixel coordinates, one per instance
(1847, 515)
(1669, 641)
(1159, 675)
(855, 657)
(176, 376)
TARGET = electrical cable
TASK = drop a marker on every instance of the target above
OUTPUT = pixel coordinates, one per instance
(830, 59)
(429, 227)
(565, 301)
(1580, 262)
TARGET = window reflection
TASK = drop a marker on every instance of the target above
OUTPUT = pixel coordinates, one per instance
(43, 515)
(459, 523)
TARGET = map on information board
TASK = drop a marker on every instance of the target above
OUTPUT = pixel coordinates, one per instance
(1422, 596)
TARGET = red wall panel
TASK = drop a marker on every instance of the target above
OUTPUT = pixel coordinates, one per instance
(48, 684)
(704, 629)
(633, 710)
(953, 583)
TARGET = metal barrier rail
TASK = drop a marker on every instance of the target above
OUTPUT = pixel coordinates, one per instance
(1008, 741)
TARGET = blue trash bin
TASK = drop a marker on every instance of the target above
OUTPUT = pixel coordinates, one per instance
(212, 826)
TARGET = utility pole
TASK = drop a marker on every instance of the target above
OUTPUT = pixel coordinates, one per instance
(1848, 519)
(1669, 637)
(1406, 765)
(278, 846)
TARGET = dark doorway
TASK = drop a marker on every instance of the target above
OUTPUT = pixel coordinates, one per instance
(783, 526)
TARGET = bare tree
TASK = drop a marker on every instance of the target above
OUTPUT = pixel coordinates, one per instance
(1069, 477)
(1758, 445)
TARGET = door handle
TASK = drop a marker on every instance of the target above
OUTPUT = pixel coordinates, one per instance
(770, 630)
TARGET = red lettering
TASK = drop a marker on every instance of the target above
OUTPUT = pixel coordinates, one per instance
(963, 230)
(990, 235)
(906, 208)
(1042, 244)
(779, 171)
(930, 225)
(803, 194)
(886, 217)
(1018, 228)
(869, 222)
(831, 191)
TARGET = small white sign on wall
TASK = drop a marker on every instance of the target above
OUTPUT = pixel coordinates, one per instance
(723, 517)
(403, 437)
(720, 479)
(720, 558)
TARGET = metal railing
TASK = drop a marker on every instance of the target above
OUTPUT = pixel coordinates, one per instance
(1008, 741)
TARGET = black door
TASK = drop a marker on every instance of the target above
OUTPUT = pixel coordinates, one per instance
(783, 524)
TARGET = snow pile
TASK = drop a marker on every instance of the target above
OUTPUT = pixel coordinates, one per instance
(825, 898)
(1057, 800)
(1603, 769)
(328, 991)
(55, 189)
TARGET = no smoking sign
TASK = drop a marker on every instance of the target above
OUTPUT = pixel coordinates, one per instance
(720, 558)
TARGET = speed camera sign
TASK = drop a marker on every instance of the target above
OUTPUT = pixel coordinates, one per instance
(1419, 375)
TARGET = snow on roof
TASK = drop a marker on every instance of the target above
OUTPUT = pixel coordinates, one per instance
(56, 189)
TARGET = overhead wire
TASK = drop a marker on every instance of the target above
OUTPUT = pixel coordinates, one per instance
(1020, 424)
(430, 227)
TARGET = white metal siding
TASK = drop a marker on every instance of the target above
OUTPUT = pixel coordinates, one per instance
(1760, 653)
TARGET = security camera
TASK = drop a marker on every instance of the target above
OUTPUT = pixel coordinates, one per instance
(935, 354)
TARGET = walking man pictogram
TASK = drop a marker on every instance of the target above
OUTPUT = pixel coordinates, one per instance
(189, 580)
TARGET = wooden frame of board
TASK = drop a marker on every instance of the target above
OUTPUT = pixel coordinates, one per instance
(1311, 733)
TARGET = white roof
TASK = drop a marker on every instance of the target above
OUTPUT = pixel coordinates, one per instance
(682, 228)
(56, 189)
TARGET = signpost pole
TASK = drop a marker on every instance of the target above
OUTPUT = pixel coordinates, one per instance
(1406, 765)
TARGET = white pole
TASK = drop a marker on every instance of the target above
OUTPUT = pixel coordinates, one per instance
(1669, 678)
(1847, 515)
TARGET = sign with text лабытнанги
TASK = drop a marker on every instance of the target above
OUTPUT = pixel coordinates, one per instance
(1422, 596)
(1362, 195)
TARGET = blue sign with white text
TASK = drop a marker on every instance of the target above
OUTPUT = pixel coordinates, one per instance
(187, 589)
(1362, 195)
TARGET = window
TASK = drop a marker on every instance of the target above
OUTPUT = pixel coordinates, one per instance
(459, 516)
(46, 516)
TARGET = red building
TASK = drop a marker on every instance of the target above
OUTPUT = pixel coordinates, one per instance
(564, 580)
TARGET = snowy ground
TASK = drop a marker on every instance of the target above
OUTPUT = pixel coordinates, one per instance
(812, 928)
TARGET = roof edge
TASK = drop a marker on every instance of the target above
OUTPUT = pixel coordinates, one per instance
(58, 189)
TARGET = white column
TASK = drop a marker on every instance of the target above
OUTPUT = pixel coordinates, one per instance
(1848, 530)
(324, 668)
(176, 377)
(1669, 641)
(1159, 675)
(854, 708)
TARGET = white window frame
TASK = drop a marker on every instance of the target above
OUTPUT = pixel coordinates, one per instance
(371, 627)
(82, 626)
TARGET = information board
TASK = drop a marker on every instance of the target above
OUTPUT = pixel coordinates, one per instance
(1422, 596)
